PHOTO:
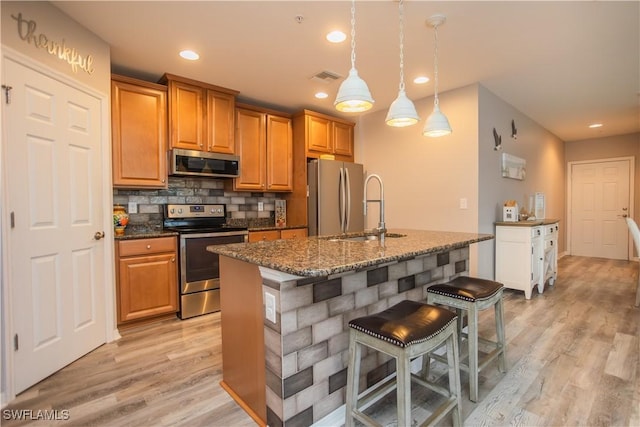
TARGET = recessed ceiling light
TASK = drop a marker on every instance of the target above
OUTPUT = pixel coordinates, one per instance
(421, 80)
(595, 125)
(321, 95)
(336, 36)
(189, 54)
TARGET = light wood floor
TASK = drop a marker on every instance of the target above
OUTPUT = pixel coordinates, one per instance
(573, 355)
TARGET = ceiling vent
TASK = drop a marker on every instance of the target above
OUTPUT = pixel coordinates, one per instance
(326, 77)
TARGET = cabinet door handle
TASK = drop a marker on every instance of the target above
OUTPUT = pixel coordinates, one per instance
(173, 260)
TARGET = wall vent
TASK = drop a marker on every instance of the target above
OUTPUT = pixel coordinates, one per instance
(326, 77)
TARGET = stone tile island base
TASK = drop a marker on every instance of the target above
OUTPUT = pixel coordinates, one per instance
(293, 372)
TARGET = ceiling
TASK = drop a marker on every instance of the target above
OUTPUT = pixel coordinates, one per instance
(565, 64)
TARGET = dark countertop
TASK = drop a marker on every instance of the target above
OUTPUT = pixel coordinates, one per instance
(148, 233)
(130, 234)
(273, 227)
(533, 223)
(323, 256)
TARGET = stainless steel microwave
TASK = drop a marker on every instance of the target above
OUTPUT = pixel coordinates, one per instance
(200, 163)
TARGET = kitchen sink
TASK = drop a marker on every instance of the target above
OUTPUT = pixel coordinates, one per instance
(366, 237)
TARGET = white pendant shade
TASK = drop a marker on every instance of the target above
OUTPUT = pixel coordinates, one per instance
(402, 112)
(353, 95)
(437, 123)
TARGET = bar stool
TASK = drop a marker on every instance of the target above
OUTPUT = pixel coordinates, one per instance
(472, 295)
(405, 331)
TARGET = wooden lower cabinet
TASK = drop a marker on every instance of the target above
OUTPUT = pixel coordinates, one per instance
(293, 233)
(267, 235)
(147, 278)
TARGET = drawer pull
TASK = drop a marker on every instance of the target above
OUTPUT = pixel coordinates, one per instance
(148, 246)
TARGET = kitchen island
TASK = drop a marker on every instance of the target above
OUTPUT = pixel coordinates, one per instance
(286, 304)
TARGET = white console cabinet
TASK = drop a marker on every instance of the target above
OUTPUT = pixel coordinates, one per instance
(527, 254)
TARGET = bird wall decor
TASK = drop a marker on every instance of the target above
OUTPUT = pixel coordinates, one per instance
(514, 131)
(497, 139)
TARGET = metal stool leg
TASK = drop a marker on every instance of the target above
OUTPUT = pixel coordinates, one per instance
(473, 351)
(353, 378)
(403, 378)
(500, 335)
(454, 378)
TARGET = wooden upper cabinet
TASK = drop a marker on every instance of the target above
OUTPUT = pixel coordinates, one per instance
(252, 148)
(324, 134)
(264, 142)
(342, 138)
(139, 133)
(186, 117)
(201, 115)
(220, 122)
(279, 153)
(319, 137)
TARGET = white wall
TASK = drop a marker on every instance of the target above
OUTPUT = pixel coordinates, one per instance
(425, 178)
(545, 168)
(57, 27)
(609, 147)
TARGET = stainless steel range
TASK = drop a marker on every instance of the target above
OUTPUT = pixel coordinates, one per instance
(200, 226)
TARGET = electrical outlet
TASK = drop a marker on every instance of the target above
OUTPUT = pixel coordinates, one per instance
(270, 307)
(463, 203)
(260, 206)
(133, 207)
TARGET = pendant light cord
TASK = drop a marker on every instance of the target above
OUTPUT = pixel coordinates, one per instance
(401, 10)
(435, 64)
(353, 34)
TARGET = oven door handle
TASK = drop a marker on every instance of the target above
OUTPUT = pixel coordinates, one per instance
(213, 234)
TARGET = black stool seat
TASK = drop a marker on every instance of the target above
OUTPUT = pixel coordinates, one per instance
(406, 331)
(406, 323)
(467, 288)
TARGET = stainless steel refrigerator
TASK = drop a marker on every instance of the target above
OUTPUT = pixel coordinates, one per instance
(336, 193)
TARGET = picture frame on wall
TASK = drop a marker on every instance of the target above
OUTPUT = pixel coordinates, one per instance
(513, 167)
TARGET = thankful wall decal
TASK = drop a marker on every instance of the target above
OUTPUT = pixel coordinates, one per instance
(27, 32)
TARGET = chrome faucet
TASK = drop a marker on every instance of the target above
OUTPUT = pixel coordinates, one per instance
(381, 227)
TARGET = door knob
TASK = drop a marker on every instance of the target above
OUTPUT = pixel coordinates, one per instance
(99, 235)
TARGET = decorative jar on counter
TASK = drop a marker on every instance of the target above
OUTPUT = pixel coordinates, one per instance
(120, 219)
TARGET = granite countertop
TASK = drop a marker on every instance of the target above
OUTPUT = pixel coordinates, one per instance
(144, 233)
(323, 256)
(273, 227)
(532, 223)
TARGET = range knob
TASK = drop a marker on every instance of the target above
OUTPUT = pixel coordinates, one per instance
(179, 210)
(172, 210)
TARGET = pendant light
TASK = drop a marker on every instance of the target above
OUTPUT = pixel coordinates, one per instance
(353, 95)
(402, 112)
(437, 123)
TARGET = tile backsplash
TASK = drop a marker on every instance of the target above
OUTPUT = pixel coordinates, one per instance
(242, 207)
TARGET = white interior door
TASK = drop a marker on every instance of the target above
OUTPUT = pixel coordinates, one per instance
(599, 199)
(54, 173)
